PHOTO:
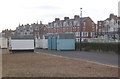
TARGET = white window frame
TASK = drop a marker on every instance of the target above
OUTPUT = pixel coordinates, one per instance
(92, 34)
(85, 34)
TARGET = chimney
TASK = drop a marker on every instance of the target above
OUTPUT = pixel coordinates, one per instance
(40, 22)
(111, 15)
(66, 18)
(57, 19)
(76, 17)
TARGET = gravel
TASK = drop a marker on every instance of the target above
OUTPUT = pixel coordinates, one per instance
(29, 64)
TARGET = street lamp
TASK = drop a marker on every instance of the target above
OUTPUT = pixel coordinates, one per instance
(80, 28)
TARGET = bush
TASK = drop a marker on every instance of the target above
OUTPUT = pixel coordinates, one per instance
(104, 47)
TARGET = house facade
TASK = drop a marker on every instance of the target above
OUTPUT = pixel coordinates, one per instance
(8, 33)
(33, 29)
(87, 26)
(108, 29)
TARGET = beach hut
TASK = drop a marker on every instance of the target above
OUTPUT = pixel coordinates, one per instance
(45, 42)
(21, 43)
(54, 42)
(50, 41)
(66, 41)
(3, 43)
(37, 42)
(41, 42)
(61, 41)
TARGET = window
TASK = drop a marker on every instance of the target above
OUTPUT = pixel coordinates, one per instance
(63, 29)
(25, 33)
(75, 23)
(70, 29)
(65, 24)
(84, 24)
(84, 28)
(118, 22)
(92, 34)
(70, 23)
(92, 24)
(77, 39)
(21, 30)
(27, 30)
(58, 24)
(77, 33)
(85, 34)
(93, 29)
(51, 25)
(13, 33)
(100, 24)
(61, 24)
(55, 24)
(75, 29)
(67, 29)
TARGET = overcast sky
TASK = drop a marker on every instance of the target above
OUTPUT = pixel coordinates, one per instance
(13, 12)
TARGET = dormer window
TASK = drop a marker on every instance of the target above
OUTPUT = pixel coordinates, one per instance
(75, 23)
(65, 24)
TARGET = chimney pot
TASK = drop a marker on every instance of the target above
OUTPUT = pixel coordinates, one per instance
(76, 17)
(66, 18)
(57, 19)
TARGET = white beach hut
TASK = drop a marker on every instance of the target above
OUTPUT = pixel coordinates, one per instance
(21, 43)
(3, 43)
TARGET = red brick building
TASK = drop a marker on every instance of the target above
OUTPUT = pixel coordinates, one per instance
(67, 25)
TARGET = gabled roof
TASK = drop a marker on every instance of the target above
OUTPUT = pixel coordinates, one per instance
(112, 16)
(83, 19)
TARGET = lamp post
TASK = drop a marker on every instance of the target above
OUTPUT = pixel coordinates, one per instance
(80, 28)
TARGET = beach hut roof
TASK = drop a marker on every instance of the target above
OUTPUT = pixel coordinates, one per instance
(23, 37)
(66, 36)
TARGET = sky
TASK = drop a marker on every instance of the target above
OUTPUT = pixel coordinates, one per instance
(15, 12)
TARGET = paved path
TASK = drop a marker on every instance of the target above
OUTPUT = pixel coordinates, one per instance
(103, 58)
